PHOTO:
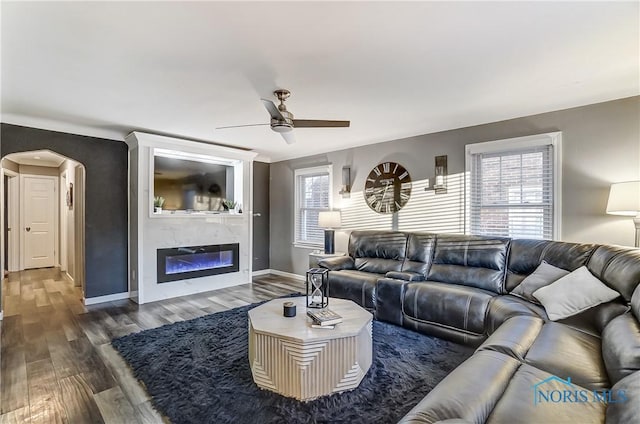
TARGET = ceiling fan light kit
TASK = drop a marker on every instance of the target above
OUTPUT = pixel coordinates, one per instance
(281, 118)
(283, 122)
(281, 127)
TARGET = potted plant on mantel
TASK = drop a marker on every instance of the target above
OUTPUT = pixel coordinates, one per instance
(230, 205)
(158, 202)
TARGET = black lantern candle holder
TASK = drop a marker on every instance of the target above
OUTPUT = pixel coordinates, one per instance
(317, 287)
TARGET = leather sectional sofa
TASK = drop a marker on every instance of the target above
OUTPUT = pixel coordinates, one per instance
(527, 368)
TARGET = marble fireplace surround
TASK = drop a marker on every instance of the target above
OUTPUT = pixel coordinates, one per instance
(149, 232)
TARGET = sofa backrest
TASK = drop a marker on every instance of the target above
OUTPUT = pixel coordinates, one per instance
(481, 261)
(378, 251)
(420, 247)
(621, 341)
(635, 303)
(526, 255)
(474, 261)
(618, 267)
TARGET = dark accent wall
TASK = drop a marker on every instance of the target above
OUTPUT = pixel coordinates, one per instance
(105, 162)
(261, 224)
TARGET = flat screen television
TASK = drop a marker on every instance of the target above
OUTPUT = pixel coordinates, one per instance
(190, 185)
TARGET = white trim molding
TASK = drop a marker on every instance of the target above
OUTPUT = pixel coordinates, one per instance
(14, 220)
(59, 126)
(106, 298)
(136, 139)
(301, 172)
(261, 272)
(553, 139)
(291, 275)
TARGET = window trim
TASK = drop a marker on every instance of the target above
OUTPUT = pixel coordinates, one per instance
(303, 172)
(511, 144)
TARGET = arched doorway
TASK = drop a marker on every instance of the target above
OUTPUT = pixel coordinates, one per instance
(43, 214)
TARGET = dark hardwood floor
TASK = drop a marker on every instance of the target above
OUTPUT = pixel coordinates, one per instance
(57, 363)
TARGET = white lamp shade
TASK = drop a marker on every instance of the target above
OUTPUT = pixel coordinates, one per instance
(329, 219)
(624, 199)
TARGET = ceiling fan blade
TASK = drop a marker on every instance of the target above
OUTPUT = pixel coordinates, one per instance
(289, 137)
(239, 126)
(272, 109)
(318, 123)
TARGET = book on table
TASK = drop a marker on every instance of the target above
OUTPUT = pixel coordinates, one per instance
(325, 317)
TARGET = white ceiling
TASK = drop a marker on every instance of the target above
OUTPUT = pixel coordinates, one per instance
(394, 69)
(37, 158)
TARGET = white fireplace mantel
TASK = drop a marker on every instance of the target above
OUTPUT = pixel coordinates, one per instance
(149, 232)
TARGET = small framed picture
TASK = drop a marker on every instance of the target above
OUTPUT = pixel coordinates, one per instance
(70, 195)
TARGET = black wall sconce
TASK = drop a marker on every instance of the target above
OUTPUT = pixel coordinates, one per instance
(345, 189)
(438, 182)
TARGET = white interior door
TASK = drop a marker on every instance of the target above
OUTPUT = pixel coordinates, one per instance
(39, 221)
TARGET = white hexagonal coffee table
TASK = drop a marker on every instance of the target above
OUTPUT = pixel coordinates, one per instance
(290, 357)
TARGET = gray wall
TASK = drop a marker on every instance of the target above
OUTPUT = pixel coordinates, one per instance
(105, 163)
(261, 234)
(600, 145)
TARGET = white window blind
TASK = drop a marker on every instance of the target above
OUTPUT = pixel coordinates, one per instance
(313, 194)
(512, 190)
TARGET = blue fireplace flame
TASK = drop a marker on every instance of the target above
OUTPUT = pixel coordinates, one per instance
(198, 261)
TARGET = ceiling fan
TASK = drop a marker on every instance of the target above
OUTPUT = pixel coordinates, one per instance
(282, 120)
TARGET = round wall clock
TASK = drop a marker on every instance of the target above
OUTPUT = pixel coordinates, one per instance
(387, 188)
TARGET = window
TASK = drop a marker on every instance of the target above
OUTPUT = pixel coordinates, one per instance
(514, 187)
(313, 194)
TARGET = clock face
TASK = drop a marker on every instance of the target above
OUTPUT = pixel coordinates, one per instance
(387, 188)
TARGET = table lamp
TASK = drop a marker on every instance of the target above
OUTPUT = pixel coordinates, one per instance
(624, 199)
(329, 220)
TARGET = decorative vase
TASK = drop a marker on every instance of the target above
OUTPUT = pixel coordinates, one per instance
(157, 209)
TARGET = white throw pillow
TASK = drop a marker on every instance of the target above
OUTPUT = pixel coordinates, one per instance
(574, 293)
(544, 275)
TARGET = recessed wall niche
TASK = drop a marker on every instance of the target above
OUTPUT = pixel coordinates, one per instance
(189, 183)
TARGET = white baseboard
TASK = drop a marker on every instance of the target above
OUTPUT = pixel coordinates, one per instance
(288, 274)
(107, 298)
(261, 272)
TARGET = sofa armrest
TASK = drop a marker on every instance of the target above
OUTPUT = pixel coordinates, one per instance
(389, 298)
(629, 410)
(405, 276)
(465, 394)
(337, 263)
(507, 306)
(514, 337)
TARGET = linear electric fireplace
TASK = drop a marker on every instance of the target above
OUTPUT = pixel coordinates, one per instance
(180, 263)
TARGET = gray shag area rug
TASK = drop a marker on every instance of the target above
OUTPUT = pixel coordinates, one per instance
(198, 371)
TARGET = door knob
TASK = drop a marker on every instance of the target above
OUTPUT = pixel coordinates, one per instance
(257, 214)
(28, 229)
